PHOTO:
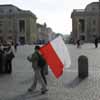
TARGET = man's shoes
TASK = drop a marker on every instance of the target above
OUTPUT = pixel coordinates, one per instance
(30, 90)
(44, 91)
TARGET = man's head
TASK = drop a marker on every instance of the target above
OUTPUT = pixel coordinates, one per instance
(37, 47)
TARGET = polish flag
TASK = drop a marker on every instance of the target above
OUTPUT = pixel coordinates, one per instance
(56, 55)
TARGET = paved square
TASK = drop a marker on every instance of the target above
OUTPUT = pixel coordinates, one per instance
(68, 87)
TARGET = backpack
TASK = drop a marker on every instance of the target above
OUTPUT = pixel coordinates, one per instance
(41, 61)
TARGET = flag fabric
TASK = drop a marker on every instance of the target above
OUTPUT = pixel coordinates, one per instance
(57, 56)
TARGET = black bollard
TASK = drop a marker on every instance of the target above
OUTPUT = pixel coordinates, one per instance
(82, 67)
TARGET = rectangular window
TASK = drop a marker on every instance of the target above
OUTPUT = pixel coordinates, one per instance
(1, 23)
(94, 29)
(10, 37)
(1, 39)
(22, 26)
(94, 22)
(0, 31)
(1, 10)
(82, 25)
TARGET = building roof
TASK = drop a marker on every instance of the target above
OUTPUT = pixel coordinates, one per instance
(92, 8)
(18, 10)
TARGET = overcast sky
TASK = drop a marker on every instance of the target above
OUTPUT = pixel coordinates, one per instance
(56, 13)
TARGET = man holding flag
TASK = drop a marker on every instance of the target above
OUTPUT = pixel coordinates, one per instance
(37, 67)
(56, 55)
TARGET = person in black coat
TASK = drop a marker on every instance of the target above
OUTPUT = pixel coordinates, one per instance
(96, 42)
(1, 59)
(9, 56)
(43, 66)
(35, 59)
(78, 43)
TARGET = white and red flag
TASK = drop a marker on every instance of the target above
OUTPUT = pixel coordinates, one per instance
(57, 56)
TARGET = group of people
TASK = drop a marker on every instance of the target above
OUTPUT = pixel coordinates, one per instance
(39, 65)
(6, 56)
(40, 69)
(79, 42)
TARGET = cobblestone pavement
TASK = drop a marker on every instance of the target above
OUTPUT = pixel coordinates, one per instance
(68, 87)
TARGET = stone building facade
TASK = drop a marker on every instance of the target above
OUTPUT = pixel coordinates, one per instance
(86, 22)
(17, 25)
(44, 33)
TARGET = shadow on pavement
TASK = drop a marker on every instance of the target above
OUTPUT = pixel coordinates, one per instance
(74, 83)
(29, 96)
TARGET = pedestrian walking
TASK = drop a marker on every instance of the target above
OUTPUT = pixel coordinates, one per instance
(9, 55)
(1, 58)
(42, 65)
(37, 72)
(15, 46)
(78, 43)
(96, 42)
